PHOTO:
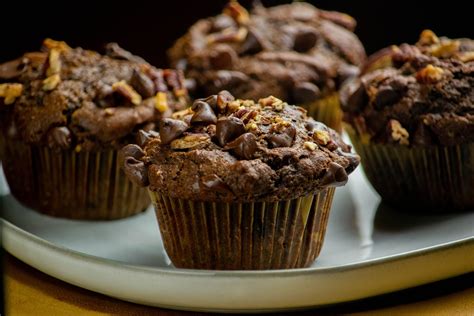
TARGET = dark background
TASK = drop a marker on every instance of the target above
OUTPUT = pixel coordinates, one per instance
(148, 28)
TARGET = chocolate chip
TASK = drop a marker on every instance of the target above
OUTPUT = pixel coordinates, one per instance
(304, 92)
(226, 79)
(113, 50)
(171, 129)
(354, 159)
(143, 84)
(130, 150)
(251, 45)
(144, 136)
(304, 40)
(228, 129)
(59, 137)
(211, 100)
(214, 183)
(203, 113)
(136, 171)
(12, 69)
(224, 97)
(386, 95)
(244, 146)
(356, 100)
(222, 57)
(312, 125)
(283, 139)
(335, 176)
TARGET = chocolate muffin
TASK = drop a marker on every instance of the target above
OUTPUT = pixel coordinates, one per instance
(239, 184)
(411, 118)
(65, 112)
(294, 52)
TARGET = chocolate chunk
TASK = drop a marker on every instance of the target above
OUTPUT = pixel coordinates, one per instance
(387, 95)
(354, 159)
(136, 171)
(171, 129)
(304, 92)
(144, 136)
(113, 50)
(143, 84)
(335, 176)
(12, 69)
(203, 113)
(223, 57)
(357, 100)
(214, 183)
(228, 129)
(304, 40)
(251, 45)
(283, 139)
(226, 79)
(59, 137)
(244, 146)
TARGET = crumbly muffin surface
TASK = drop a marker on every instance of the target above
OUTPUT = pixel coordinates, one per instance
(295, 52)
(415, 95)
(222, 149)
(74, 98)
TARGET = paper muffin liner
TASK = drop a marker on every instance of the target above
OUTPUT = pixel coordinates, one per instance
(326, 110)
(243, 236)
(69, 184)
(428, 179)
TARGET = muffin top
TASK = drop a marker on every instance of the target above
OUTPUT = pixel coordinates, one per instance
(415, 95)
(222, 149)
(295, 52)
(75, 98)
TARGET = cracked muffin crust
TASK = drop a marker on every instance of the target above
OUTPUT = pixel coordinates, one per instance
(228, 150)
(295, 52)
(416, 95)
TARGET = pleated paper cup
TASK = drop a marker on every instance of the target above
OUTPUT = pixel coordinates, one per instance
(326, 110)
(428, 179)
(243, 236)
(69, 184)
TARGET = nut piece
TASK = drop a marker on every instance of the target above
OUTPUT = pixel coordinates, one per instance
(310, 146)
(54, 62)
(398, 133)
(57, 45)
(466, 56)
(428, 37)
(190, 141)
(51, 82)
(237, 12)
(10, 91)
(161, 102)
(228, 35)
(127, 91)
(445, 49)
(321, 137)
(430, 74)
(276, 103)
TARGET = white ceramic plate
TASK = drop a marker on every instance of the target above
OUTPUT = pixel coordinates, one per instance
(369, 250)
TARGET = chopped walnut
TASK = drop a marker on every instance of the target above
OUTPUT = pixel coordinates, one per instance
(127, 91)
(57, 45)
(190, 141)
(445, 49)
(233, 106)
(322, 137)
(10, 91)
(310, 146)
(398, 133)
(54, 62)
(161, 102)
(276, 103)
(466, 56)
(252, 126)
(179, 115)
(430, 74)
(428, 37)
(109, 111)
(51, 82)
(237, 12)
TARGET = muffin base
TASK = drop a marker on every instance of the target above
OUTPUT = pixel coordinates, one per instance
(243, 236)
(429, 179)
(326, 110)
(84, 185)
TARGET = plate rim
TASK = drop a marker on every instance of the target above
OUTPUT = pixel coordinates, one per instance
(10, 227)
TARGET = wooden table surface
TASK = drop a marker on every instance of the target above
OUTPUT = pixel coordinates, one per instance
(30, 292)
